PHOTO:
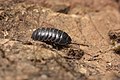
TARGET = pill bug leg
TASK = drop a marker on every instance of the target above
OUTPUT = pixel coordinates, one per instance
(58, 47)
(54, 46)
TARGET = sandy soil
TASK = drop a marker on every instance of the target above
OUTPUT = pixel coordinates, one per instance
(94, 24)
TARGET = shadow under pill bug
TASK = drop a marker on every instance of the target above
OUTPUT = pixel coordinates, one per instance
(52, 35)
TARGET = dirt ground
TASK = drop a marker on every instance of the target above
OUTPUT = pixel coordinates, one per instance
(94, 24)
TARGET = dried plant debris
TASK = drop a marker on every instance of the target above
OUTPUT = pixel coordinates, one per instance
(74, 54)
(115, 40)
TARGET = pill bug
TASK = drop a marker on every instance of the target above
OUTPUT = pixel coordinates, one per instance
(52, 35)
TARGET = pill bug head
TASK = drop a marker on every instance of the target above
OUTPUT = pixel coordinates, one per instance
(66, 39)
(69, 40)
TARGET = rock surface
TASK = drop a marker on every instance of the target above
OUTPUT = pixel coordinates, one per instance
(88, 22)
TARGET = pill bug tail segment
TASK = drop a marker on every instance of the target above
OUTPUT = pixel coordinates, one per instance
(34, 34)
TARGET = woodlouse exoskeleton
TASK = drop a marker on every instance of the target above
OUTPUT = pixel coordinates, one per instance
(52, 35)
